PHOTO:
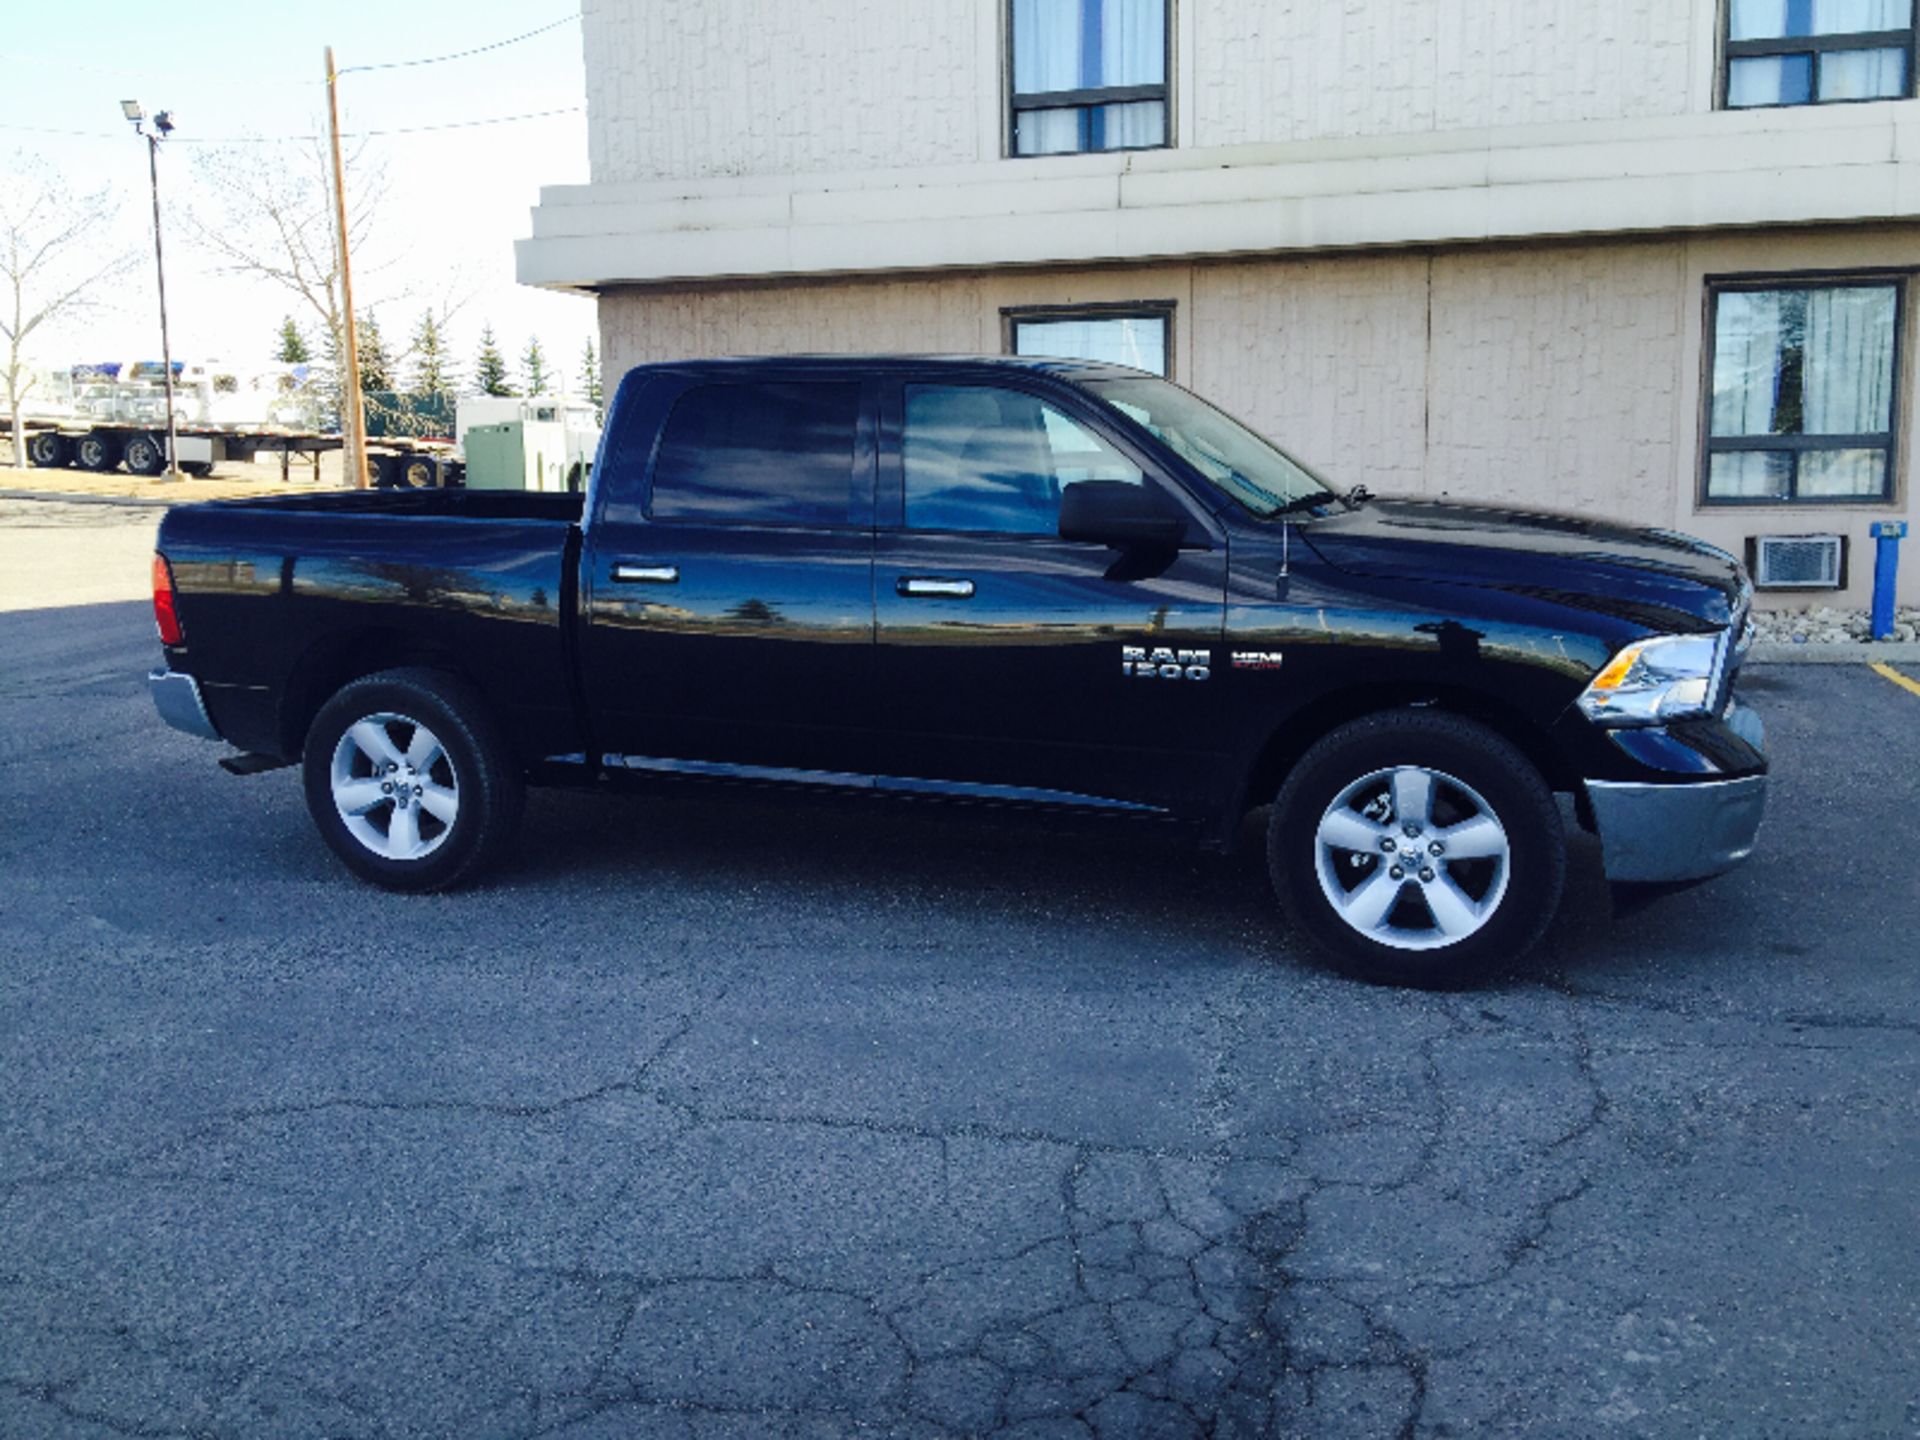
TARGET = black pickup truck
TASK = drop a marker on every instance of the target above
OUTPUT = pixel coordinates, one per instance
(1045, 583)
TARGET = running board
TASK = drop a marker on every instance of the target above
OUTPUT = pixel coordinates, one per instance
(885, 784)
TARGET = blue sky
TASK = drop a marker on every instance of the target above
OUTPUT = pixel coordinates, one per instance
(457, 199)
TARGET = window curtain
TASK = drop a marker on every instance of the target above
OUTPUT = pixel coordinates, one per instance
(1778, 19)
(1849, 361)
(1863, 74)
(1750, 332)
(1087, 44)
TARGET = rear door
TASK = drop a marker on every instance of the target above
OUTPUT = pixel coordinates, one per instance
(729, 592)
(1011, 661)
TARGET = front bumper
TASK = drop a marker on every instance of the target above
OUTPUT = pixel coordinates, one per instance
(177, 698)
(1655, 833)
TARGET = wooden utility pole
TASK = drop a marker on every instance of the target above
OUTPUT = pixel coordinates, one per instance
(354, 416)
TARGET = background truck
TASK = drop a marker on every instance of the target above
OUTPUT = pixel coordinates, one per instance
(102, 417)
(1043, 583)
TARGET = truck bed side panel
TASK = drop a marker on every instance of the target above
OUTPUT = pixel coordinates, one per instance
(278, 599)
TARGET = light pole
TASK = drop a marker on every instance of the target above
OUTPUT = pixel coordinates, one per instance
(162, 127)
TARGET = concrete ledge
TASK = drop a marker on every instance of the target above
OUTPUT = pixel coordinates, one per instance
(1840, 164)
(1846, 652)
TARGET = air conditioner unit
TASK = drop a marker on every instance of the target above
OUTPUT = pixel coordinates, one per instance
(1797, 562)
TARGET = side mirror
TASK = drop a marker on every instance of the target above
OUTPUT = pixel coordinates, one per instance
(1121, 514)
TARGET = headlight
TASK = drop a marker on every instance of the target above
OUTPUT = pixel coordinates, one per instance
(1656, 680)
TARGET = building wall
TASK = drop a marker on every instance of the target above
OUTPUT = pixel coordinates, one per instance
(696, 89)
(1565, 377)
(1309, 70)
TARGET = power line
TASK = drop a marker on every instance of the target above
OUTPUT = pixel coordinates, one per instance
(461, 54)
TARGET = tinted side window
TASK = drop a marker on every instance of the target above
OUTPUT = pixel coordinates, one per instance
(765, 453)
(981, 458)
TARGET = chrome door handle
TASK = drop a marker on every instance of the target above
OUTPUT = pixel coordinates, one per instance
(928, 585)
(646, 574)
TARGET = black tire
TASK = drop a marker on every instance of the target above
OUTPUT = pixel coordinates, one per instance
(49, 450)
(478, 768)
(199, 469)
(419, 472)
(146, 455)
(98, 451)
(1510, 897)
(386, 471)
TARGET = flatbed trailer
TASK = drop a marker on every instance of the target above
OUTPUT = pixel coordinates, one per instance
(396, 462)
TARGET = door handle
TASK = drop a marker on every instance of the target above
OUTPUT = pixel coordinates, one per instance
(927, 585)
(646, 574)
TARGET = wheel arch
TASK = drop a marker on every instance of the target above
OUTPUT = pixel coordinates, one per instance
(1291, 738)
(337, 661)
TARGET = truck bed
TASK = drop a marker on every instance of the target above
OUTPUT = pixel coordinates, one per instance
(282, 595)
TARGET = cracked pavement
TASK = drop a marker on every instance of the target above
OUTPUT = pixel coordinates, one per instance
(722, 1115)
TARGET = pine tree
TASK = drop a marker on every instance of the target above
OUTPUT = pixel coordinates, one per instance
(433, 372)
(292, 345)
(376, 364)
(490, 367)
(590, 383)
(533, 366)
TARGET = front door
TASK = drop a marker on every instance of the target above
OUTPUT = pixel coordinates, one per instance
(1011, 662)
(729, 593)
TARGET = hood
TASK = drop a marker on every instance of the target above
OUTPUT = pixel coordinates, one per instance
(1657, 578)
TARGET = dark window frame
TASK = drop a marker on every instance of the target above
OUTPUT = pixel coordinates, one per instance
(1084, 100)
(1887, 441)
(1014, 316)
(1816, 46)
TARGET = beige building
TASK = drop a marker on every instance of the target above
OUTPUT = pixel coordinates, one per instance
(1636, 258)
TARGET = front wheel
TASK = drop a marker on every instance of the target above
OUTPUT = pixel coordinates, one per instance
(409, 781)
(1418, 848)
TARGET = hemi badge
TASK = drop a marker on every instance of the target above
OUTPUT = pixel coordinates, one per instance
(1256, 659)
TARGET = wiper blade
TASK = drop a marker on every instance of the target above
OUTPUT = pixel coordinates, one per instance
(1305, 502)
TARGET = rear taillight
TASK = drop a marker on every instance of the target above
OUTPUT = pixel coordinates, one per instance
(165, 614)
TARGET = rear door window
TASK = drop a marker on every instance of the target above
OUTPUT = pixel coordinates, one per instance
(983, 458)
(769, 454)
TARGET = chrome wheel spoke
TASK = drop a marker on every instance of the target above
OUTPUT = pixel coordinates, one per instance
(439, 801)
(1480, 838)
(1453, 911)
(1369, 903)
(1412, 796)
(374, 742)
(357, 797)
(424, 749)
(1350, 830)
(403, 835)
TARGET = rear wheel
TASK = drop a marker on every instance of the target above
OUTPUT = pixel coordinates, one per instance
(409, 781)
(146, 455)
(1418, 848)
(49, 449)
(199, 469)
(97, 450)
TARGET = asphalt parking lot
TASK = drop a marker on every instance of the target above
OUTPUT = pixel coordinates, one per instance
(729, 1116)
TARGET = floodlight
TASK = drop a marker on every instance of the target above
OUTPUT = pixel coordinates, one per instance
(163, 122)
(131, 109)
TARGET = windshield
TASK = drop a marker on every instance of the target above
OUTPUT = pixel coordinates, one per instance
(1252, 471)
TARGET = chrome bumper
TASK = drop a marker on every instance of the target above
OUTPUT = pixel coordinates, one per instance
(177, 698)
(1651, 833)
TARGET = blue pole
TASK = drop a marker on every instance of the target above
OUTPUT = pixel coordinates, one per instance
(1886, 566)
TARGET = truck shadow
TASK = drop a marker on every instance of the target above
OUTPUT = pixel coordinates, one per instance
(911, 866)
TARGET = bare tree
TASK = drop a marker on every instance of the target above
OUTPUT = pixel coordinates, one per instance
(270, 216)
(52, 258)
